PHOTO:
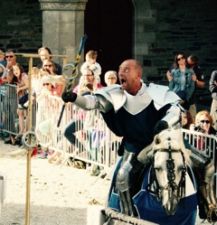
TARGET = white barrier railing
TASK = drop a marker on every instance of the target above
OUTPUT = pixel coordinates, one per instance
(205, 145)
(94, 142)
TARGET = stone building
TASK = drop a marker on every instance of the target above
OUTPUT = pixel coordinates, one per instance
(151, 31)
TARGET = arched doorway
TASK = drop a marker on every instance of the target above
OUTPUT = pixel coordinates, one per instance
(109, 26)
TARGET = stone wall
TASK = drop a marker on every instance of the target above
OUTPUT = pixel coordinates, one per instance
(188, 26)
(162, 28)
(21, 26)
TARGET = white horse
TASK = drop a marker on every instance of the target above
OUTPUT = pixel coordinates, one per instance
(168, 193)
(169, 160)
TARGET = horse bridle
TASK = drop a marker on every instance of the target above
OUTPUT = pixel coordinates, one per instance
(172, 186)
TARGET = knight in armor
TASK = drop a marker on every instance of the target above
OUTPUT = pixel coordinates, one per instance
(136, 112)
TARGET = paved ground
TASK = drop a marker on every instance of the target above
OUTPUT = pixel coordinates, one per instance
(60, 194)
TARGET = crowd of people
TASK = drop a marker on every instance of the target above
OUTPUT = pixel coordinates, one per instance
(185, 78)
(47, 79)
(130, 108)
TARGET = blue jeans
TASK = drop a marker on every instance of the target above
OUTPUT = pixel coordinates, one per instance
(69, 132)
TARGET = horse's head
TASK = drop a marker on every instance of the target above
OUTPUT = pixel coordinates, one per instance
(167, 156)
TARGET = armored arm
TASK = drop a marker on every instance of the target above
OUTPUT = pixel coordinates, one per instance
(171, 119)
(173, 115)
(88, 102)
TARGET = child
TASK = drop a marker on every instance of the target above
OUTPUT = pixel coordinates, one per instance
(22, 93)
(91, 63)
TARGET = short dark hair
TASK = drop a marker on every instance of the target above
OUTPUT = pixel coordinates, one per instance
(194, 58)
(10, 50)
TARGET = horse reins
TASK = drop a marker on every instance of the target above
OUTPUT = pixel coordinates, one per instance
(171, 174)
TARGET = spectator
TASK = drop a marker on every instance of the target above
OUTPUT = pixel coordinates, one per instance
(47, 85)
(2, 58)
(2, 73)
(49, 70)
(203, 123)
(91, 63)
(11, 60)
(186, 119)
(52, 84)
(198, 77)
(10, 78)
(22, 93)
(48, 66)
(88, 83)
(180, 80)
(110, 77)
(45, 53)
(213, 90)
(2, 65)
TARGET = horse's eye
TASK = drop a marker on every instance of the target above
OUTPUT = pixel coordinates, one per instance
(158, 169)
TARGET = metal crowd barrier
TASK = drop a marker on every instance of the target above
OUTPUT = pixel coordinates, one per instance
(93, 141)
(205, 145)
(8, 109)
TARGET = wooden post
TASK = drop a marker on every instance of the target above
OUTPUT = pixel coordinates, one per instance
(30, 143)
(29, 150)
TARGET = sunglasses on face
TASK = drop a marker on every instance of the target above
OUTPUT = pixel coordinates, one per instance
(9, 56)
(48, 65)
(178, 59)
(205, 121)
(46, 84)
(88, 75)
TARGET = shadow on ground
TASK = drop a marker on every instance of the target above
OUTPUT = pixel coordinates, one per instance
(41, 215)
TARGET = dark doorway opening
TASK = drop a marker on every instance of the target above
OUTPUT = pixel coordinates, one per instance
(109, 27)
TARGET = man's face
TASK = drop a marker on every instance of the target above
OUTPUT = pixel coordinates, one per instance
(190, 62)
(44, 54)
(48, 66)
(11, 58)
(129, 76)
